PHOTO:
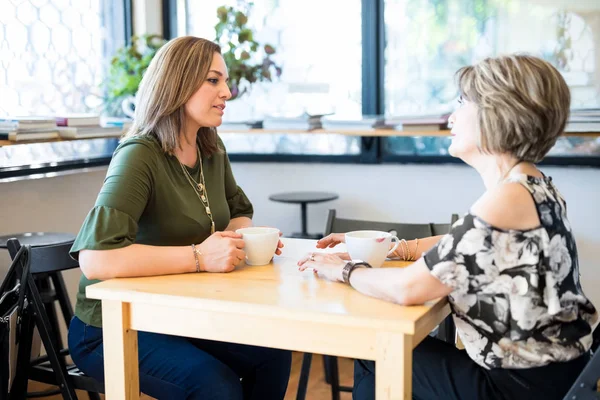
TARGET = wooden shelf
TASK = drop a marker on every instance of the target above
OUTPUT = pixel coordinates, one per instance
(9, 143)
(373, 132)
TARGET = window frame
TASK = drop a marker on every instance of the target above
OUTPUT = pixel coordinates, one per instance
(373, 101)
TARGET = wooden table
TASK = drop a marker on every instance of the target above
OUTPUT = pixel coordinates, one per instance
(274, 306)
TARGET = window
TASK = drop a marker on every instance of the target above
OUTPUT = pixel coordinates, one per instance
(53, 53)
(428, 40)
(321, 70)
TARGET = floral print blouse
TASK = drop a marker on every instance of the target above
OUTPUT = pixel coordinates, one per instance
(517, 300)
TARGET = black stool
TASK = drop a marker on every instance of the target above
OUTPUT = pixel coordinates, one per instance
(303, 198)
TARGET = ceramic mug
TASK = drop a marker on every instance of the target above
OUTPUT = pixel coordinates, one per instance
(370, 246)
(260, 244)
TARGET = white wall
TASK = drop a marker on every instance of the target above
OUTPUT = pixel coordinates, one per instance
(406, 193)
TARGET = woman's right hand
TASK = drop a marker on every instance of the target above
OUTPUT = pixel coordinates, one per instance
(331, 240)
(221, 252)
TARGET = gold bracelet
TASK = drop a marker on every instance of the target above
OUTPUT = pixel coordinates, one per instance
(404, 246)
(398, 249)
(196, 253)
(409, 258)
(416, 248)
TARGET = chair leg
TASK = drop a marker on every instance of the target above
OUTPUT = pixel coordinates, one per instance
(44, 328)
(94, 396)
(447, 330)
(63, 298)
(326, 369)
(304, 374)
(332, 366)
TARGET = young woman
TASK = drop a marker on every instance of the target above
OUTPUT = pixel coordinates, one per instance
(170, 205)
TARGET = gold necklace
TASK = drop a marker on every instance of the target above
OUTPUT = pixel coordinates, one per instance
(200, 189)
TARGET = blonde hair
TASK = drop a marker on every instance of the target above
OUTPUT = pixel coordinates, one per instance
(523, 104)
(173, 76)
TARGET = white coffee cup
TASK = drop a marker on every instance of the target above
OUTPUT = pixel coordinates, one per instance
(260, 244)
(370, 246)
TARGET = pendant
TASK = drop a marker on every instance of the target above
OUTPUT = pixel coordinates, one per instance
(212, 227)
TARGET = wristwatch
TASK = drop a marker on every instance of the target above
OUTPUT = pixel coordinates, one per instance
(351, 266)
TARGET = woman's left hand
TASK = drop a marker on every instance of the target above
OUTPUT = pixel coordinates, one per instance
(279, 246)
(325, 265)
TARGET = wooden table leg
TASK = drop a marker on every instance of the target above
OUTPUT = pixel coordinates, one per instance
(393, 367)
(121, 370)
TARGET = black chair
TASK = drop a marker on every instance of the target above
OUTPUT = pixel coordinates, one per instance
(446, 330)
(46, 263)
(586, 385)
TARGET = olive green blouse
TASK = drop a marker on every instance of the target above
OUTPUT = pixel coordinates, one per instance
(147, 199)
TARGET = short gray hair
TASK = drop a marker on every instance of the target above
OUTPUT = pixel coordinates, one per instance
(523, 104)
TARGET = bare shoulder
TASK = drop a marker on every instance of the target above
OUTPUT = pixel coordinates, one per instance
(507, 206)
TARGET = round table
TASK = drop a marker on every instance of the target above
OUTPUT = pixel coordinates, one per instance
(36, 239)
(304, 198)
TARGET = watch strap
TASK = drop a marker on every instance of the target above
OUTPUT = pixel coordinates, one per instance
(350, 267)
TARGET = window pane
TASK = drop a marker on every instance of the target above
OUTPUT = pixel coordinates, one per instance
(452, 33)
(566, 146)
(321, 67)
(53, 54)
(298, 143)
(321, 60)
(428, 40)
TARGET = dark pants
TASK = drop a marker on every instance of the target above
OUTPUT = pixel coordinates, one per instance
(173, 367)
(441, 371)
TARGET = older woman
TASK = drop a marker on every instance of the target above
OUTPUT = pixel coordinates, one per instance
(509, 266)
(170, 205)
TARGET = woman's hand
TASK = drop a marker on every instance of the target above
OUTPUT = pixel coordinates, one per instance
(279, 245)
(328, 266)
(221, 252)
(343, 256)
(331, 240)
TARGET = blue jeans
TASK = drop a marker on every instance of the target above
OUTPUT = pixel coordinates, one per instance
(173, 367)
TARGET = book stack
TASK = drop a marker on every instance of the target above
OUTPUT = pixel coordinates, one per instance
(240, 125)
(430, 122)
(81, 126)
(303, 122)
(18, 129)
(352, 123)
(584, 120)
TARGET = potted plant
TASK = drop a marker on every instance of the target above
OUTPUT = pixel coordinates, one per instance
(247, 60)
(125, 73)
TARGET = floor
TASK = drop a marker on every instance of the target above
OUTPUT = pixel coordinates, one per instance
(317, 388)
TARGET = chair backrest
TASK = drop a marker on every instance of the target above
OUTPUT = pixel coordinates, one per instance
(44, 259)
(442, 229)
(586, 384)
(403, 231)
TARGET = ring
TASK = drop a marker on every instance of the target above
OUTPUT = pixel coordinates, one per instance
(312, 257)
